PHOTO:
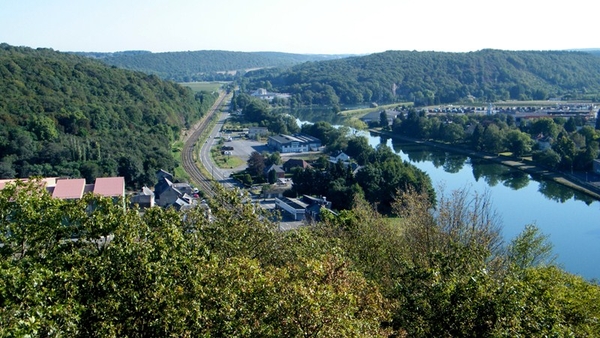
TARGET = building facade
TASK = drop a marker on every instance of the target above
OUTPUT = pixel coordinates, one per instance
(297, 143)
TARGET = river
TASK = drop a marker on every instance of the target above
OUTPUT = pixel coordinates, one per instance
(570, 219)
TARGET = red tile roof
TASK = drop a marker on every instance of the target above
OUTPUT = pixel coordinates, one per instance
(110, 186)
(69, 188)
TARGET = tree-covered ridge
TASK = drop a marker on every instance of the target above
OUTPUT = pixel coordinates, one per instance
(66, 115)
(437, 77)
(202, 65)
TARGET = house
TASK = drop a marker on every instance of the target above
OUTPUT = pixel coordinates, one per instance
(173, 194)
(144, 199)
(177, 195)
(75, 188)
(70, 189)
(544, 142)
(293, 206)
(339, 156)
(297, 143)
(48, 182)
(263, 94)
(295, 163)
(307, 208)
(253, 132)
(279, 172)
(160, 174)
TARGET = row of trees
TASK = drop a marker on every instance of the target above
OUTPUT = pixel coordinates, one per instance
(66, 115)
(233, 274)
(256, 112)
(572, 144)
(428, 78)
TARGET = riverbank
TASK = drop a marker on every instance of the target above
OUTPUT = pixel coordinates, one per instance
(590, 188)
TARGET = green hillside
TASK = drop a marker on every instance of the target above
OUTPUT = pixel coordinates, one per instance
(436, 77)
(67, 115)
(212, 65)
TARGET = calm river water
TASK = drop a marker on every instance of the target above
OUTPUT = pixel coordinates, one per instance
(569, 218)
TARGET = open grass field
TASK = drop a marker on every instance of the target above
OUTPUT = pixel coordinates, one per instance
(364, 111)
(225, 161)
(179, 172)
(203, 86)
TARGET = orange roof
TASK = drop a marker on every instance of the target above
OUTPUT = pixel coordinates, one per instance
(69, 188)
(110, 186)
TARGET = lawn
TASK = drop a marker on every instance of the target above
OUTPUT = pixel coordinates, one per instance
(203, 86)
(365, 111)
(225, 161)
(176, 149)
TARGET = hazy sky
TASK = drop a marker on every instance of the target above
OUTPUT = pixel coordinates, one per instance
(299, 26)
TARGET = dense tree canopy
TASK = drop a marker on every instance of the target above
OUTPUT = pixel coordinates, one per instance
(428, 78)
(66, 115)
(68, 269)
(575, 150)
(204, 65)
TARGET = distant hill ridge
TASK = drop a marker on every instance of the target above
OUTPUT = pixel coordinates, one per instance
(438, 77)
(202, 65)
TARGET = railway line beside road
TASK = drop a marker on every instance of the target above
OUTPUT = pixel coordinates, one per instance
(205, 183)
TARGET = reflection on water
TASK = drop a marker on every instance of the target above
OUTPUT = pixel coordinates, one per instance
(491, 173)
(520, 198)
(313, 114)
(568, 217)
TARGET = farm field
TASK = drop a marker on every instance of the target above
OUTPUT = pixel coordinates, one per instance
(203, 86)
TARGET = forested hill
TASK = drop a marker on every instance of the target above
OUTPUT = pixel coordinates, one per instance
(202, 65)
(67, 115)
(438, 77)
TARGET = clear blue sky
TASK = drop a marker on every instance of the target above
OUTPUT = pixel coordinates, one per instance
(306, 26)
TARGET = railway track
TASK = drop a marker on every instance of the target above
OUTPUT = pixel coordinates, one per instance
(203, 182)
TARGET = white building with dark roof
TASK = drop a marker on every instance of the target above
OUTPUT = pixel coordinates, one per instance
(297, 143)
(263, 94)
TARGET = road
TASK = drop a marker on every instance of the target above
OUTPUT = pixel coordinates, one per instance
(218, 174)
(187, 154)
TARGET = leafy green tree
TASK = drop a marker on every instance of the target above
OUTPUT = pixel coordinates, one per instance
(356, 124)
(359, 149)
(531, 248)
(272, 176)
(256, 164)
(589, 133)
(570, 125)
(383, 120)
(492, 139)
(132, 169)
(477, 137)
(519, 143)
(565, 148)
(273, 158)
(548, 158)
(544, 126)
(585, 158)
(451, 132)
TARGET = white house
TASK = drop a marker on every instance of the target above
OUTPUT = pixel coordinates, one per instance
(297, 143)
(339, 156)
